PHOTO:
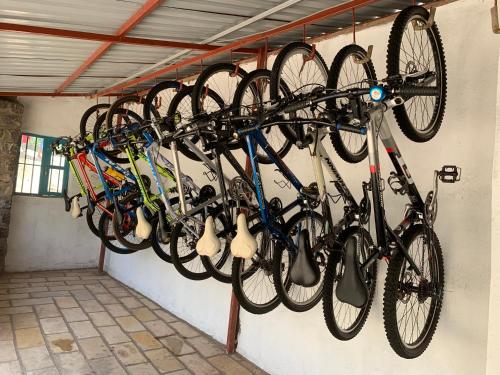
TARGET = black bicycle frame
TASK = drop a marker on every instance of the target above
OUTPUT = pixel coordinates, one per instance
(375, 128)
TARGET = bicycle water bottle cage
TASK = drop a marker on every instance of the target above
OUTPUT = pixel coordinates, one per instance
(284, 183)
(305, 270)
(398, 183)
(450, 174)
(351, 287)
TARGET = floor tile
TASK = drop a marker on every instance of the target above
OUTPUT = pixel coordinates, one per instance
(28, 320)
(94, 348)
(163, 360)
(62, 343)
(159, 328)
(130, 324)
(7, 351)
(65, 302)
(117, 310)
(29, 337)
(113, 334)
(10, 368)
(47, 311)
(145, 340)
(198, 365)
(91, 305)
(72, 364)
(35, 358)
(228, 366)
(6, 333)
(142, 369)
(83, 329)
(53, 325)
(177, 345)
(107, 366)
(184, 329)
(128, 353)
(74, 314)
(144, 314)
(101, 318)
(131, 302)
(205, 346)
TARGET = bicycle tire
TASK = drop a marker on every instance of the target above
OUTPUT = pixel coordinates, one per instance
(334, 76)
(149, 105)
(85, 128)
(283, 287)
(238, 97)
(240, 275)
(392, 291)
(104, 226)
(329, 289)
(100, 126)
(404, 120)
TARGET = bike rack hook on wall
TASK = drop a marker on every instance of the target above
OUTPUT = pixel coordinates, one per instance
(367, 57)
(494, 19)
(428, 24)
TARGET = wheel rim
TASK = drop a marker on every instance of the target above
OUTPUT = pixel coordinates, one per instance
(417, 53)
(255, 275)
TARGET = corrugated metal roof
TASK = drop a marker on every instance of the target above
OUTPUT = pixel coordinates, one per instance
(41, 63)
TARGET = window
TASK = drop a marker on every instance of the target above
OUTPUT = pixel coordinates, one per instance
(40, 172)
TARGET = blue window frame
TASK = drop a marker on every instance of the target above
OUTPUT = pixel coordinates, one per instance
(40, 172)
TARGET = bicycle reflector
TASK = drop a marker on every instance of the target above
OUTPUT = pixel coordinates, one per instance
(377, 93)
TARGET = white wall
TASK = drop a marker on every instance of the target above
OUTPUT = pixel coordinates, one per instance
(42, 235)
(493, 360)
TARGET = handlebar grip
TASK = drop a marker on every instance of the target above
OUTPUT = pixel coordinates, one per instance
(418, 91)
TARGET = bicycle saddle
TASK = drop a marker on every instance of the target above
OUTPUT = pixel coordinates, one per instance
(351, 288)
(209, 243)
(244, 244)
(75, 208)
(305, 270)
(143, 228)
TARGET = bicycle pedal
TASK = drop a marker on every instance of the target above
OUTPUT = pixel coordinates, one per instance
(450, 174)
(397, 183)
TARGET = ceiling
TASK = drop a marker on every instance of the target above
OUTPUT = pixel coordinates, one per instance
(59, 61)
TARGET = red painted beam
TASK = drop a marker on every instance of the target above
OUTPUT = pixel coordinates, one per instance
(34, 93)
(137, 17)
(338, 9)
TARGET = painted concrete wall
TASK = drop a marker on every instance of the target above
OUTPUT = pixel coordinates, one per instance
(42, 235)
(283, 342)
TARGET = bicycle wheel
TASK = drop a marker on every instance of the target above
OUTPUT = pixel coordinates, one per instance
(101, 132)
(107, 236)
(252, 279)
(222, 79)
(181, 109)
(124, 229)
(346, 72)
(412, 304)
(301, 68)
(342, 319)
(251, 97)
(296, 297)
(89, 118)
(158, 100)
(183, 247)
(93, 217)
(414, 47)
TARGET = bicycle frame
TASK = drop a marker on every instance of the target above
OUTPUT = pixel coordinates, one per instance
(378, 124)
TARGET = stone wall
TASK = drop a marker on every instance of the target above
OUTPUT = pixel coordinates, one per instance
(11, 112)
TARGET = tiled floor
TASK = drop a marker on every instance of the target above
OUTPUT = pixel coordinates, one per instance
(81, 322)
